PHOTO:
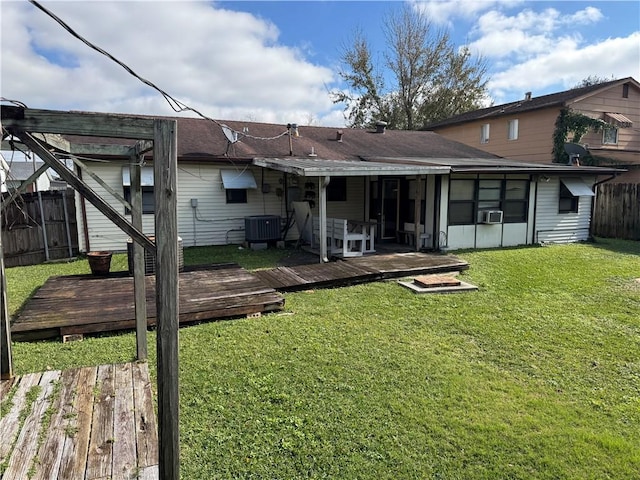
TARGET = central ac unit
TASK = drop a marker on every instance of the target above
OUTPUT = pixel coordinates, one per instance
(491, 216)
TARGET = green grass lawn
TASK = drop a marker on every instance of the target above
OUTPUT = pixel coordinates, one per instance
(536, 375)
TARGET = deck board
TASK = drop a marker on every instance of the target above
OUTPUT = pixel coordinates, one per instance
(79, 304)
(83, 304)
(359, 269)
(87, 423)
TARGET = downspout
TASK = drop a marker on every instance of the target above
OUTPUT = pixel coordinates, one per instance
(534, 238)
(593, 202)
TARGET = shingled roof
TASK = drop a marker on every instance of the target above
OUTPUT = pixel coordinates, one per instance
(560, 98)
(22, 170)
(204, 140)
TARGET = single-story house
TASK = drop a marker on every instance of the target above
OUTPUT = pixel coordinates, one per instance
(395, 186)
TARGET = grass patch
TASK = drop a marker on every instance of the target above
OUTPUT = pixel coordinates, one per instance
(536, 375)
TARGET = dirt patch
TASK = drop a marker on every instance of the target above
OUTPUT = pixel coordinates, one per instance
(299, 257)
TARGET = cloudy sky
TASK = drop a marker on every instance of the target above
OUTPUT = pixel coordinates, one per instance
(276, 61)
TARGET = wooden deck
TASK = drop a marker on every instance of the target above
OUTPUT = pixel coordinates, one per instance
(85, 423)
(80, 304)
(359, 270)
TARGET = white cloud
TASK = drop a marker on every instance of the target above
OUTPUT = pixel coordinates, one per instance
(586, 16)
(568, 64)
(527, 33)
(226, 64)
(445, 12)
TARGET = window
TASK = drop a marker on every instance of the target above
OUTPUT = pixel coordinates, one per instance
(148, 199)
(484, 133)
(610, 136)
(512, 127)
(625, 90)
(468, 198)
(236, 183)
(516, 201)
(337, 189)
(462, 203)
(146, 187)
(568, 202)
(236, 195)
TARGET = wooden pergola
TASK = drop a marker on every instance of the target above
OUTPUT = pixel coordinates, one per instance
(41, 131)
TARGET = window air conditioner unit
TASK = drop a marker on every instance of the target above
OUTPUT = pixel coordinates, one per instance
(491, 216)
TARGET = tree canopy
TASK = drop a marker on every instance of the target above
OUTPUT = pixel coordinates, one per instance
(422, 77)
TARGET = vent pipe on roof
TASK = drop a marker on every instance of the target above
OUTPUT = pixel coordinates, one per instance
(527, 96)
(339, 136)
(381, 126)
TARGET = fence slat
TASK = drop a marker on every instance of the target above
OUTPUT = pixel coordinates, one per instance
(617, 211)
(22, 237)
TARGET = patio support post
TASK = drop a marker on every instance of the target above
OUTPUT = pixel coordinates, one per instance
(6, 361)
(139, 264)
(166, 230)
(420, 194)
(324, 181)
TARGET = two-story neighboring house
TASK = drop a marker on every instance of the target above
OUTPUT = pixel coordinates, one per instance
(524, 130)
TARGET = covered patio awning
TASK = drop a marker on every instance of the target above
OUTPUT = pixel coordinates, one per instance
(314, 167)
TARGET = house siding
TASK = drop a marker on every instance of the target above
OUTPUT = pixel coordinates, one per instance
(353, 208)
(554, 227)
(535, 132)
(536, 128)
(611, 100)
(213, 222)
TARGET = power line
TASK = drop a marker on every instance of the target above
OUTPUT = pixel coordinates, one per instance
(175, 104)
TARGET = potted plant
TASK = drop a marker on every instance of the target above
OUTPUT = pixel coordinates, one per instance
(99, 262)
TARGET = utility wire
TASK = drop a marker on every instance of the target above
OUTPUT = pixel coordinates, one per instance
(175, 104)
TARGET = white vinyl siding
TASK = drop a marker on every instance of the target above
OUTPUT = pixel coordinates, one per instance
(213, 222)
(103, 234)
(554, 227)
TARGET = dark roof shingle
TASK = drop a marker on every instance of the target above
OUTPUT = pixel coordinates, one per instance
(524, 105)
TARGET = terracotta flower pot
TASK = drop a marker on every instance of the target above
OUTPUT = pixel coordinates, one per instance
(99, 262)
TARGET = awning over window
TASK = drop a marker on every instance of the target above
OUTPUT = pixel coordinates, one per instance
(618, 119)
(234, 179)
(577, 187)
(146, 177)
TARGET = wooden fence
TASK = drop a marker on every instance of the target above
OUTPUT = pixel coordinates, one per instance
(617, 211)
(23, 234)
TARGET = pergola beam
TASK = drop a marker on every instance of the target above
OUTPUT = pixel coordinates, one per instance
(76, 123)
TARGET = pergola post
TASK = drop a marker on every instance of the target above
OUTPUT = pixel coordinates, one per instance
(139, 264)
(166, 230)
(6, 360)
(417, 212)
